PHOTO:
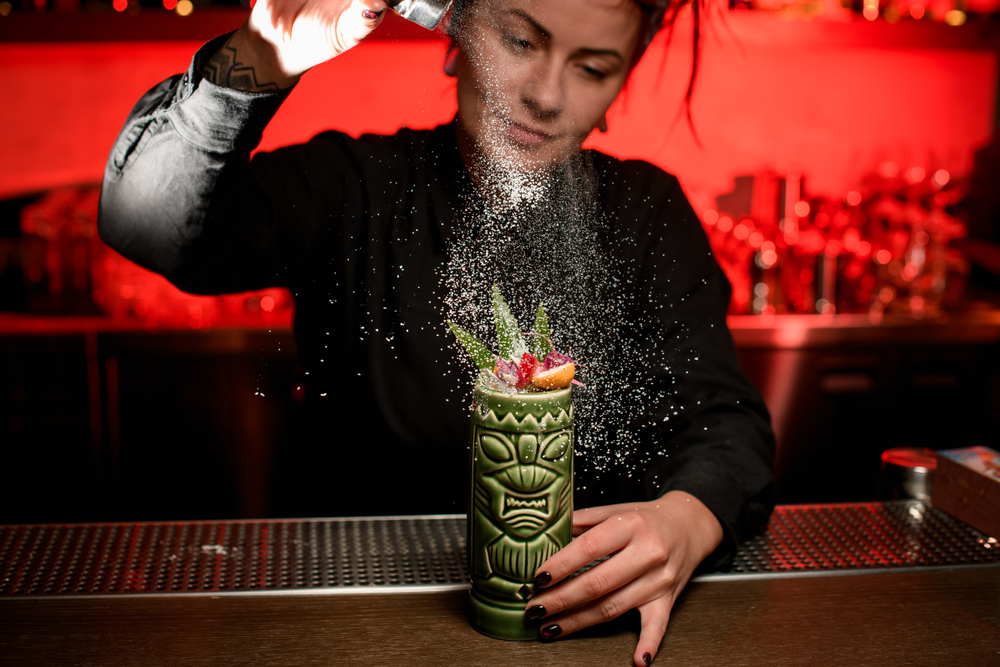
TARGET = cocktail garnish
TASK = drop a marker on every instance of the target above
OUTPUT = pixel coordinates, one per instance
(543, 368)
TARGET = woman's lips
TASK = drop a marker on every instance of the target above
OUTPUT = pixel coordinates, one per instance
(522, 135)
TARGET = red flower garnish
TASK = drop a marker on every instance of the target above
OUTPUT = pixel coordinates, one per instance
(508, 371)
(529, 364)
(556, 358)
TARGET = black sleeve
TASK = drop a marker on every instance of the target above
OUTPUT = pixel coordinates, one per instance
(711, 433)
(181, 196)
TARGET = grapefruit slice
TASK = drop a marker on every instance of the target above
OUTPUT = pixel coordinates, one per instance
(555, 378)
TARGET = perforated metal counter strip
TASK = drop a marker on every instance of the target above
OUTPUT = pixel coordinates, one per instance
(328, 556)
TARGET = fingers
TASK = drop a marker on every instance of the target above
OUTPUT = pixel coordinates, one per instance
(638, 594)
(593, 585)
(373, 12)
(358, 21)
(655, 616)
(587, 518)
(633, 576)
(601, 540)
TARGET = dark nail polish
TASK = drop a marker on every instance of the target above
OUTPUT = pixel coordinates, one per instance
(647, 658)
(534, 613)
(551, 632)
(543, 579)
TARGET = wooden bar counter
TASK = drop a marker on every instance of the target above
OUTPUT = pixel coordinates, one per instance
(934, 618)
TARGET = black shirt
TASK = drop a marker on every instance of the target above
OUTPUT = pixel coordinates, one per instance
(362, 231)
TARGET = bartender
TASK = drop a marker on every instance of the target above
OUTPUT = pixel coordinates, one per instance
(367, 234)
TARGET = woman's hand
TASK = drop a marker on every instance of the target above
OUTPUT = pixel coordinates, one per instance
(656, 547)
(305, 33)
(284, 38)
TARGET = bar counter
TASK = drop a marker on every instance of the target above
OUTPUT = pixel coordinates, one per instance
(898, 618)
(854, 584)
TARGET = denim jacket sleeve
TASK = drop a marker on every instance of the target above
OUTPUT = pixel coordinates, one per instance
(178, 195)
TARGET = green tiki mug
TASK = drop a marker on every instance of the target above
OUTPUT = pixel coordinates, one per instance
(521, 509)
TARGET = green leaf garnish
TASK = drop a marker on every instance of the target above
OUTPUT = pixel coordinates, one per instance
(481, 355)
(509, 338)
(540, 345)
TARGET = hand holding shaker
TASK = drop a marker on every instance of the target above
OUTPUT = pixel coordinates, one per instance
(521, 450)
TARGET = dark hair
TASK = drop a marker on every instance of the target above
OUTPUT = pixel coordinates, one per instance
(656, 14)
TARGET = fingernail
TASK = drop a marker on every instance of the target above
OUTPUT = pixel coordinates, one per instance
(647, 658)
(370, 15)
(534, 613)
(543, 579)
(551, 632)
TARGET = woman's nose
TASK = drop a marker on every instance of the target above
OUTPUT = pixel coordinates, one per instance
(544, 93)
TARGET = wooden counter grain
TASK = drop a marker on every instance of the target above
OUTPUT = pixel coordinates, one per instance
(891, 618)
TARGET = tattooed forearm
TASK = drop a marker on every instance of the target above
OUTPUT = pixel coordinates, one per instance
(225, 69)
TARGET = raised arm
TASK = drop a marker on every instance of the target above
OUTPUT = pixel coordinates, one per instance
(178, 195)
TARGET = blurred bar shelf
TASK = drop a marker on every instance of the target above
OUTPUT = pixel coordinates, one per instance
(80, 394)
(135, 334)
(973, 327)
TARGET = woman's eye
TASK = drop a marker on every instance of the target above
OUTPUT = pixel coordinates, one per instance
(517, 43)
(593, 72)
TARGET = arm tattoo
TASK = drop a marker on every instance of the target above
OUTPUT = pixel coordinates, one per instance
(225, 70)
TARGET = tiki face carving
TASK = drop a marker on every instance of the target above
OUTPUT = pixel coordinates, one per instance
(523, 478)
(522, 488)
(521, 509)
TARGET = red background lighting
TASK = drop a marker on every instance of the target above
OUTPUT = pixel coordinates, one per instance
(835, 99)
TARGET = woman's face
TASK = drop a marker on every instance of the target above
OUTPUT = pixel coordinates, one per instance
(535, 77)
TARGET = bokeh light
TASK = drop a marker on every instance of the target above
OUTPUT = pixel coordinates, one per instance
(940, 179)
(914, 175)
(888, 169)
(955, 17)
(851, 239)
